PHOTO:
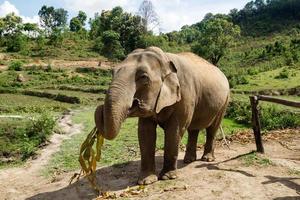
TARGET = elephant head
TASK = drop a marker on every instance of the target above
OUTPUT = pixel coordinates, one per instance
(143, 84)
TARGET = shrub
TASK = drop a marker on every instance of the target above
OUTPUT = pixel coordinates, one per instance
(41, 128)
(15, 65)
(98, 44)
(111, 45)
(17, 43)
(283, 74)
(56, 38)
(271, 117)
(252, 71)
(21, 138)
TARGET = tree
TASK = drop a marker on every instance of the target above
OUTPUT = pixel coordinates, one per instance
(215, 39)
(111, 45)
(149, 17)
(51, 18)
(77, 23)
(11, 24)
(126, 25)
(31, 29)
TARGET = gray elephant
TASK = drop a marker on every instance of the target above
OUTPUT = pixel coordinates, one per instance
(178, 92)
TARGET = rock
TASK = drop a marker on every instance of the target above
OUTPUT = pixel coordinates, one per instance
(20, 78)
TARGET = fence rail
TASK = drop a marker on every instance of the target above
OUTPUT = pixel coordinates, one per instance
(254, 100)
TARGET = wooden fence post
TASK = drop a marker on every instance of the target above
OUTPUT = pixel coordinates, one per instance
(256, 124)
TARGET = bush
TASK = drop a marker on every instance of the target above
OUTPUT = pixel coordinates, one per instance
(41, 128)
(152, 40)
(111, 45)
(19, 139)
(283, 74)
(17, 43)
(56, 38)
(252, 71)
(237, 80)
(98, 44)
(271, 116)
(15, 65)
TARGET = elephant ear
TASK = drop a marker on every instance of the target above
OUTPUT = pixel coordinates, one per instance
(170, 90)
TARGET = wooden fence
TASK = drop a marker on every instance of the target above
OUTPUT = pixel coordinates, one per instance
(254, 100)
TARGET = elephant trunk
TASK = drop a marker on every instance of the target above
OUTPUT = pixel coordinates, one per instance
(110, 116)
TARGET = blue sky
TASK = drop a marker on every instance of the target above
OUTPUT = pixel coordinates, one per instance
(173, 14)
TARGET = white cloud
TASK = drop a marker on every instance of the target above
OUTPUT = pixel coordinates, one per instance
(6, 7)
(173, 14)
(93, 6)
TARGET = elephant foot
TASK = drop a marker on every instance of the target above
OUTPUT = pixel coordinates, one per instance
(208, 157)
(146, 179)
(189, 157)
(168, 175)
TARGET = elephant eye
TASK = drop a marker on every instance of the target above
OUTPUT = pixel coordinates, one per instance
(144, 78)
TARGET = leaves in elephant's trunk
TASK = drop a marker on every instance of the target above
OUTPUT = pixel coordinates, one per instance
(88, 158)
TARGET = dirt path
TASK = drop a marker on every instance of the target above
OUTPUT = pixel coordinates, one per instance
(19, 183)
(227, 178)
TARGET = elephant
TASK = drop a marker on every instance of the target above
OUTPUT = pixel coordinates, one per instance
(179, 92)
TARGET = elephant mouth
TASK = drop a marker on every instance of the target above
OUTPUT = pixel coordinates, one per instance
(138, 109)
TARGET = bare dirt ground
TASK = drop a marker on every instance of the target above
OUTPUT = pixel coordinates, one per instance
(226, 178)
(67, 64)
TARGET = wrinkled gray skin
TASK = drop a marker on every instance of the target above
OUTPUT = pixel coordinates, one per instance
(178, 92)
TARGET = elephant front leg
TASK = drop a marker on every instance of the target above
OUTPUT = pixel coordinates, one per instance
(147, 141)
(173, 136)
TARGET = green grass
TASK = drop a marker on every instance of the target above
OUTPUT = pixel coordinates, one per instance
(85, 97)
(121, 150)
(20, 138)
(255, 159)
(20, 104)
(267, 80)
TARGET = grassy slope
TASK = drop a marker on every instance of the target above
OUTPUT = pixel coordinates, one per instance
(268, 80)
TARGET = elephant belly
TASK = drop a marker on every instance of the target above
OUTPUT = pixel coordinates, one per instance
(201, 121)
(204, 115)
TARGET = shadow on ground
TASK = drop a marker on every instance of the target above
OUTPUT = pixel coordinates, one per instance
(110, 178)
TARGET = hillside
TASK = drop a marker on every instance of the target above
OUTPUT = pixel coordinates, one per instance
(53, 78)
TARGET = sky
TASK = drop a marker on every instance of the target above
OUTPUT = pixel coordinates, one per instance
(173, 14)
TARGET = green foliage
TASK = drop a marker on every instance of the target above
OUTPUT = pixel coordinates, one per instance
(271, 116)
(22, 104)
(152, 40)
(117, 25)
(111, 45)
(254, 159)
(19, 139)
(15, 65)
(77, 23)
(215, 39)
(260, 17)
(52, 18)
(42, 127)
(283, 74)
(237, 80)
(16, 43)
(11, 24)
(56, 38)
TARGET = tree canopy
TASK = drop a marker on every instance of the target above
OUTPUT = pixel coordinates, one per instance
(215, 38)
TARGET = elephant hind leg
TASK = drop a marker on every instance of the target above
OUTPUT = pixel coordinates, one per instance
(209, 147)
(191, 148)
(211, 131)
